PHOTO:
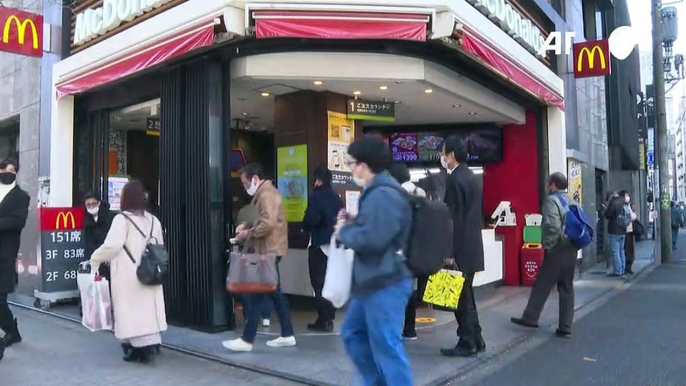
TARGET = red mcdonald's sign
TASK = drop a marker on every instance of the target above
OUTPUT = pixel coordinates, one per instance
(592, 59)
(21, 32)
(61, 219)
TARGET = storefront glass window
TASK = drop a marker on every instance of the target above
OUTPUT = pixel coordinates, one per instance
(9, 139)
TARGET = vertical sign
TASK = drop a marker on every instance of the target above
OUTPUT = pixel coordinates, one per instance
(152, 126)
(574, 179)
(641, 155)
(671, 146)
(291, 169)
(341, 132)
(22, 32)
(63, 247)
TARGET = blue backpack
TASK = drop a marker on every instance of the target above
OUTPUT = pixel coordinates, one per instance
(577, 227)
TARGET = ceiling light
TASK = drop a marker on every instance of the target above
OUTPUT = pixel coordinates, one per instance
(398, 81)
(265, 94)
(318, 82)
(357, 93)
(457, 106)
(472, 113)
(398, 102)
(245, 114)
(428, 91)
(383, 88)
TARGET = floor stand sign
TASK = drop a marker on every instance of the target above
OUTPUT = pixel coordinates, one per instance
(62, 249)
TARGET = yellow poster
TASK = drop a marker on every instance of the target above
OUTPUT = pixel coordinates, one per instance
(291, 165)
(341, 133)
(574, 179)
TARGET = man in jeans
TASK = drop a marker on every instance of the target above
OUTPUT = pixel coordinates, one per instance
(267, 234)
(381, 282)
(559, 263)
(616, 233)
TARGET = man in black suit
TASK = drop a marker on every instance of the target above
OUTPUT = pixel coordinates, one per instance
(463, 196)
(14, 208)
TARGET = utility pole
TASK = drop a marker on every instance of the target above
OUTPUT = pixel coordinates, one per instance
(661, 136)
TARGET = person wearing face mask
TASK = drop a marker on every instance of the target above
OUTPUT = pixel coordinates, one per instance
(323, 206)
(381, 282)
(14, 208)
(267, 233)
(629, 241)
(463, 195)
(559, 262)
(97, 223)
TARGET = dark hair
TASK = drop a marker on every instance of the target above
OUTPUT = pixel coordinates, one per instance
(133, 197)
(559, 180)
(322, 174)
(89, 196)
(623, 193)
(10, 161)
(252, 170)
(400, 172)
(454, 144)
(371, 150)
(609, 195)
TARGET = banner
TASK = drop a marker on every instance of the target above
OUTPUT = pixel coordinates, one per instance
(22, 32)
(341, 133)
(574, 179)
(291, 168)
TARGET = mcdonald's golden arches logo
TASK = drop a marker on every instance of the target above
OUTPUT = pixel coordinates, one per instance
(592, 59)
(22, 32)
(67, 221)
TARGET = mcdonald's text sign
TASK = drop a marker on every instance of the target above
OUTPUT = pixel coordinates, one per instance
(592, 58)
(61, 219)
(21, 32)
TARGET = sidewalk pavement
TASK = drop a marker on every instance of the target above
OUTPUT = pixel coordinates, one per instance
(321, 359)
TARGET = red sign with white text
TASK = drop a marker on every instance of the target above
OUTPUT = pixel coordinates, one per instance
(21, 33)
(61, 219)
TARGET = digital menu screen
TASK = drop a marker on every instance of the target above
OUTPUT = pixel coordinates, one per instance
(404, 146)
(484, 144)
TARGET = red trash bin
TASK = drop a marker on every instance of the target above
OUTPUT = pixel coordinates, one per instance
(531, 258)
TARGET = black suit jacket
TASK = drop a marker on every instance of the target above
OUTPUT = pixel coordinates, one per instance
(463, 196)
(14, 209)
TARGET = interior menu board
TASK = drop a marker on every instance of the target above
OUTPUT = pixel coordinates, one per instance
(404, 146)
(63, 247)
(484, 144)
(428, 148)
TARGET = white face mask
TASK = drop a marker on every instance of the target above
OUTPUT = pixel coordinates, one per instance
(93, 211)
(444, 163)
(359, 182)
(252, 189)
(627, 199)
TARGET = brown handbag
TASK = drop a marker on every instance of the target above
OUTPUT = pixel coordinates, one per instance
(252, 273)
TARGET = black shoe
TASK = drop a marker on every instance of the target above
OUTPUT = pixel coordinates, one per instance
(459, 351)
(126, 348)
(320, 326)
(134, 355)
(613, 275)
(410, 335)
(563, 333)
(480, 344)
(158, 349)
(523, 323)
(2, 350)
(12, 335)
(629, 271)
(147, 354)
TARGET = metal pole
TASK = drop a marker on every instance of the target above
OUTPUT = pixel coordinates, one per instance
(661, 136)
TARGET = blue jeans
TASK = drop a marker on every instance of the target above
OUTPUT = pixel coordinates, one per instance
(371, 333)
(267, 306)
(618, 256)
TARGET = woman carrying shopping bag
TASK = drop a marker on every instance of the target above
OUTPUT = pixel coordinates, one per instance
(139, 309)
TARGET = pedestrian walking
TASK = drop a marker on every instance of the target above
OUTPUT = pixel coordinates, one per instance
(14, 208)
(139, 309)
(619, 218)
(677, 222)
(323, 206)
(267, 234)
(463, 195)
(401, 174)
(559, 262)
(381, 283)
(630, 240)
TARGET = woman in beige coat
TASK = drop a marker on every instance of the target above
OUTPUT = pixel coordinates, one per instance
(139, 312)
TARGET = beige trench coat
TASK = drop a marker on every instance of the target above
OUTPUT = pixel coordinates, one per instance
(138, 309)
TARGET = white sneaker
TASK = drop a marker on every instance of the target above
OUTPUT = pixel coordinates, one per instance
(237, 345)
(282, 342)
(266, 322)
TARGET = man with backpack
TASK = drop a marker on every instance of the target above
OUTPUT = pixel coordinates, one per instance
(559, 262)
(619, 218)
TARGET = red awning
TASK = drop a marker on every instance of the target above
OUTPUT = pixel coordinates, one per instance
(138, 59)
(340, 25)
(500, 63)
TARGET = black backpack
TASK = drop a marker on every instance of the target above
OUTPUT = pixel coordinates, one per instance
(431, 235)
(154, 263)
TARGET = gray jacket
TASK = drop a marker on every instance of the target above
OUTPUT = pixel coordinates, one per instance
(553, 238)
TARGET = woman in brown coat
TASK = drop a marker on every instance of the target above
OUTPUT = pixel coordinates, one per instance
(139, 311)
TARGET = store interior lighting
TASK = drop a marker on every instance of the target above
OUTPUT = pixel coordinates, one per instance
(417, 174)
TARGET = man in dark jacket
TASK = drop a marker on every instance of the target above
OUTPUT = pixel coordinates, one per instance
(559, 263)
(463, 196)
(14, 208)
(381, 282)
(677, 222)
(323, 206)
(96, 223)
(616, 230)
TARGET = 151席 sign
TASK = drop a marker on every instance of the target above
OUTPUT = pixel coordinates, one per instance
(22, 32)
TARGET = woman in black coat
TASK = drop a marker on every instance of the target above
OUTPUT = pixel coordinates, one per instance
(97, 223)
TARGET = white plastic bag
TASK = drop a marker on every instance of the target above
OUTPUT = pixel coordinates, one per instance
(339, 274)
(96, 302)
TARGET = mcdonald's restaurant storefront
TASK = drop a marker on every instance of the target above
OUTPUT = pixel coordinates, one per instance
(182, 95)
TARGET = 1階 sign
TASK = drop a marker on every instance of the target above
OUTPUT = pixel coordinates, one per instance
(371, 111)
(22, 32)
(592, 58)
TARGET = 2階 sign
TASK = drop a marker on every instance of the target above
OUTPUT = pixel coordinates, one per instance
(22, 32)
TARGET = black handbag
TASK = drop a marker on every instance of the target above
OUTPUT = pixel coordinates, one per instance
(154, 263)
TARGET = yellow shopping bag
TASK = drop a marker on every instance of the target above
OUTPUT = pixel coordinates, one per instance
(444, 288)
